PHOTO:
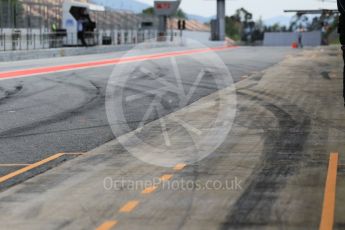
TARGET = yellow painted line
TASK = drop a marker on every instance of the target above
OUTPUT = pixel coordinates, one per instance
(107, 225)
(179, 166)
(149, 190)
(129, 206)
(327, 218)
(166, 177)
(13, 165)
(29, 167)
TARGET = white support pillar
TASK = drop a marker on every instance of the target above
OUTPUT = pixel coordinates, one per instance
(221, 19)
(162, 27)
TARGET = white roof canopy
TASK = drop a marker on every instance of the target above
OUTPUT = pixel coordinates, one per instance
(89, 6)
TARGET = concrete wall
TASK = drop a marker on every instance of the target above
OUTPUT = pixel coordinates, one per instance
(203, 37)
(36, 39)
(59, 52)
(287, 38)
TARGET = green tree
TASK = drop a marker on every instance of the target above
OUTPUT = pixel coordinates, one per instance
(276, 27)
(149, 11)
(179, 13)
(233, 27)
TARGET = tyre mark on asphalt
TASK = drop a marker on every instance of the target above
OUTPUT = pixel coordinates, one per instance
(191, 198)
(94, 101)
(21, 95)
(325, 75)
(215, 159)
(78, 129)
(283, 151)
(10, 93)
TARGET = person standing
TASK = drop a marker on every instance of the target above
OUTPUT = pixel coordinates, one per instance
(300, 40)
(341, 30)
(300, 37)
(81, 33)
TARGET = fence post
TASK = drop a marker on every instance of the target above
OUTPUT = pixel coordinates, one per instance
(27, 40)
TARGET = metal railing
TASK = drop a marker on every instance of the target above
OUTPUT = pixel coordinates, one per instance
(25, 40)
(28, 25)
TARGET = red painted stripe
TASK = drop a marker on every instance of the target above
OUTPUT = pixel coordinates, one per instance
(54, 69)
